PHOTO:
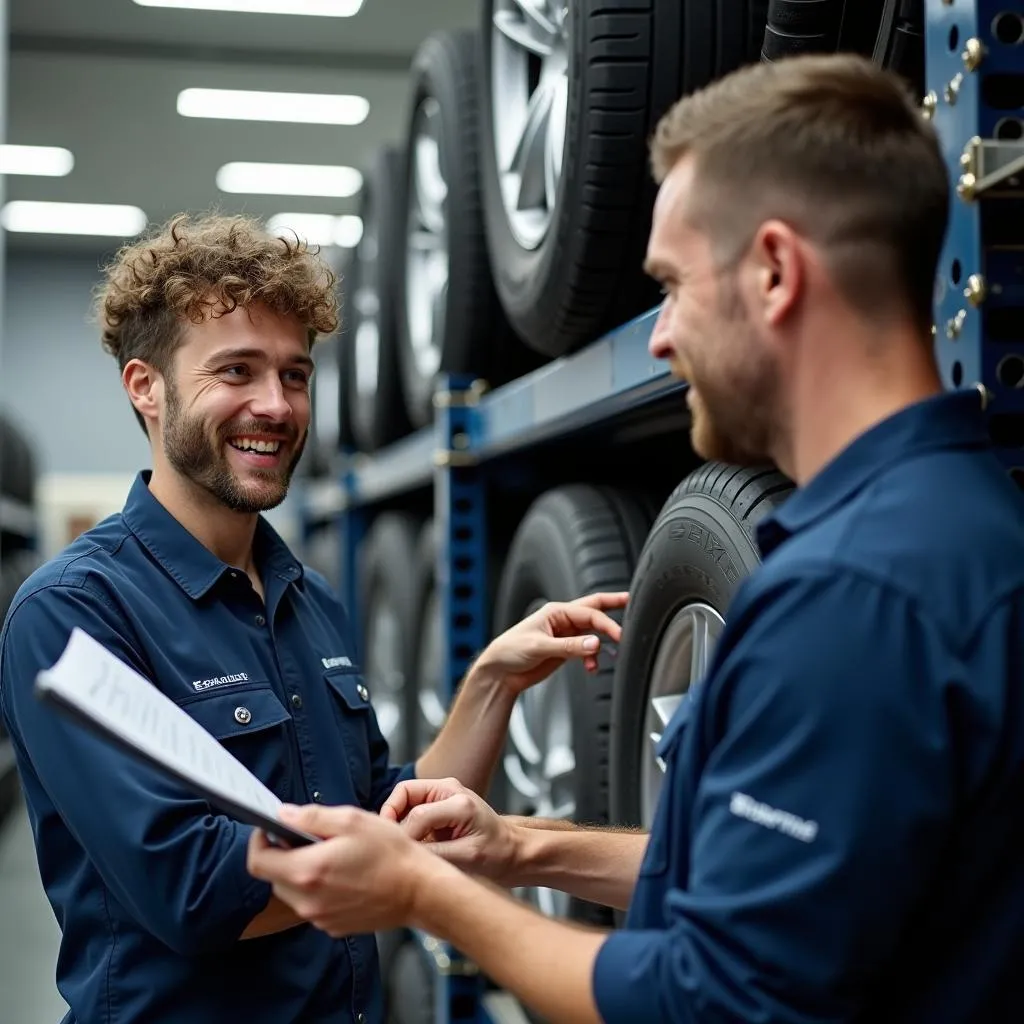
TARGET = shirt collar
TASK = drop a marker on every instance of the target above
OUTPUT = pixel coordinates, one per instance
(946, 421)
(191, 565)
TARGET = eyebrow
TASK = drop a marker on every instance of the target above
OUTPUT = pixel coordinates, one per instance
(258, 354)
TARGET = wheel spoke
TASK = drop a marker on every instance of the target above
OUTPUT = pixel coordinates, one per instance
(665, 707)
(701, 647)
(555, 143)
(519, 733)
(528, 26)
(432, 709)
(528, 158)
(519, 780)
(559, 763)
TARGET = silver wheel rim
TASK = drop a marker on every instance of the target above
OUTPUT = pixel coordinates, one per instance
(681, 662)
(540, 765)
(383, 642)
(530, 97)
(430, 697)
(427, 243)
(365, 302)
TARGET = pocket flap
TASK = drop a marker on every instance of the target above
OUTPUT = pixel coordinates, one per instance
(224, 715)
(351, 688)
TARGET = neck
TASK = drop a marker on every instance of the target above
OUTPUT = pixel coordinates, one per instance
(227, 534)
(862, 376)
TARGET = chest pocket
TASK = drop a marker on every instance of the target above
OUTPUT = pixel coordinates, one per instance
(251, 724)
(352, 706)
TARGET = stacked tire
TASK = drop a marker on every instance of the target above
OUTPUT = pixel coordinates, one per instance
(18, 558)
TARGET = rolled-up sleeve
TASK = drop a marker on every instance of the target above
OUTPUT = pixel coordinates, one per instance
(176, 866)
(821, 810)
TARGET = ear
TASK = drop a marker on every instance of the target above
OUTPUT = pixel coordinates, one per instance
(780, 271)
(145, 387)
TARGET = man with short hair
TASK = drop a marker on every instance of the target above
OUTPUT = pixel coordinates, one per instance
(212, 321)
(838, 837)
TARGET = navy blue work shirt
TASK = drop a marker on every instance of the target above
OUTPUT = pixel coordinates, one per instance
(840, 836)
(148, 883)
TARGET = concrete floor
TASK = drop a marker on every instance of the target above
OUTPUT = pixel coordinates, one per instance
(29, 936)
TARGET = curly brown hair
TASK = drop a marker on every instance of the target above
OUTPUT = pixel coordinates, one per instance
(195, 267)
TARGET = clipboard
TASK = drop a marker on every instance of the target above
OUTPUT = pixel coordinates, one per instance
(98, 691)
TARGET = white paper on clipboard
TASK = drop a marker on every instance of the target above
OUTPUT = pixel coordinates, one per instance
(103, 693)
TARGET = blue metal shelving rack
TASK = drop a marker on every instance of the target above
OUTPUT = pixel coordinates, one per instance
(974, 61)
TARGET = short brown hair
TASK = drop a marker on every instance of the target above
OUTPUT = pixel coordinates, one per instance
(833, 145)
(193, 267)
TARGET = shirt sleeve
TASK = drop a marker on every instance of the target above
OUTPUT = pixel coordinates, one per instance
(175, 865)
(818, 817)
(385, 775)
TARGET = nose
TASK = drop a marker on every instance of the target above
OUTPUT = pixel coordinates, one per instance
(270, 401)
(660, 345)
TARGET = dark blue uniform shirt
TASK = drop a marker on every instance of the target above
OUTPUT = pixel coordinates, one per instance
(841, 832)
(150, 885)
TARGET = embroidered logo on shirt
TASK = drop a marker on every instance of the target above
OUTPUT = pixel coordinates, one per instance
(744, 806)
(341, 662)
(205, 684)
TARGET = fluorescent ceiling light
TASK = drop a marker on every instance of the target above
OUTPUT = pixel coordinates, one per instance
(319, 228)
(72, 218)
(320, 8)
(289, 179)
(297, 107)
(46, 161)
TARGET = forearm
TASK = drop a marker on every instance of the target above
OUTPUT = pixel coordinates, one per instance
(598, 865)
(473, 737)
(546, 963)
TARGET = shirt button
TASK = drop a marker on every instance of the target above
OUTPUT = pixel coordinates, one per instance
(363, 692)
(316, 796)
(360, 1018)
(296, 701)
(243, 716)
(260, 620)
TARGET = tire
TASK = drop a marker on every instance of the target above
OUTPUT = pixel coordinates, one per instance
(410, 989)
(891, 32)
(373, 391)
(700, 548)
(574, 540)
(17, 464)
(389, 622)
(429, 699)
(625, 63)
(345, 354)
(456, 329)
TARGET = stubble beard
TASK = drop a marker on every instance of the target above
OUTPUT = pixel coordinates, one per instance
(192, 454)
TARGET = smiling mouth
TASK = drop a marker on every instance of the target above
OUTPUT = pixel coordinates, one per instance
(255, 446)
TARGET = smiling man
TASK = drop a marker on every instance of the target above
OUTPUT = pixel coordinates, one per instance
(212, 322)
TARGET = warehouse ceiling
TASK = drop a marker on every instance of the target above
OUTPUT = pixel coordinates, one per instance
(101, 78)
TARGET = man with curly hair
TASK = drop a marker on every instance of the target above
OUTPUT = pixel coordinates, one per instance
(212, 322)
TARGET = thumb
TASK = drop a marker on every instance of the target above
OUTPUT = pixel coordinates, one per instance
(318, 821)
(576, 646)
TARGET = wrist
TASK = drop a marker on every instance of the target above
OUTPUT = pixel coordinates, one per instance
(484, 675)
(430, 884)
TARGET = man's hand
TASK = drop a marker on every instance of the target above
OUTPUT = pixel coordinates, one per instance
(457, 825)
(362, 878)
(532, 649)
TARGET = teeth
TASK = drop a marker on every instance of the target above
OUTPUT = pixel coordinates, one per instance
(245, 444)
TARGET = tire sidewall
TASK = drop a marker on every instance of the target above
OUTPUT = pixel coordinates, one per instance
(696, 552)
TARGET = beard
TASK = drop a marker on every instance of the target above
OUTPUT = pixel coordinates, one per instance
(196, 457)
(733, 396)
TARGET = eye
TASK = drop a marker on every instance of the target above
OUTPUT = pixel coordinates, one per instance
(299, 378)
(240, 370)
